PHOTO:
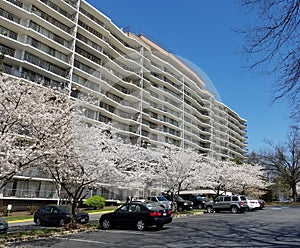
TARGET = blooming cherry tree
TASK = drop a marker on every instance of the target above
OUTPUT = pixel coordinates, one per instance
(33, 120)
(89, 159)
(136, 166)
(176, 167)
(228, 176)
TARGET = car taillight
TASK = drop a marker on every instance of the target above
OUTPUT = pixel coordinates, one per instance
(241, 203)
(169, 212)
(155, 214)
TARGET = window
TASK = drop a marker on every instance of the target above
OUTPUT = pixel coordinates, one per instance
(54, 210)
(227, 198)
(48, 209)
(235, 198)
(124, 209)
(134, 208)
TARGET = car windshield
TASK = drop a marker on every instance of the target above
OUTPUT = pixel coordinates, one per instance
(67, 208)
(178, 198)
(162, 198)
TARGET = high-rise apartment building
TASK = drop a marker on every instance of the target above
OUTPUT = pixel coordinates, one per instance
(147, 93)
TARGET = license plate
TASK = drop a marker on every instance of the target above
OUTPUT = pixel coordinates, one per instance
(164, 214)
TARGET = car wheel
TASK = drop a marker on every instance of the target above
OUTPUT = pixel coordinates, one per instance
(140, 225)
(38, 222)
(61, 222)
(199, 206)
(234, 210)
(179, 209)
(105, 224)
(209, 210)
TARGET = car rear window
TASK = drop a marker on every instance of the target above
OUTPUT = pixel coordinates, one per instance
(161, 198)
(153, 206)
(243, 198)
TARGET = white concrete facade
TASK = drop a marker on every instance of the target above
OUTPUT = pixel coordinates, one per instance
(147, 93)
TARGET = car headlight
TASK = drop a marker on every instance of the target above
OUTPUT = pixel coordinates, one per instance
(185, 204)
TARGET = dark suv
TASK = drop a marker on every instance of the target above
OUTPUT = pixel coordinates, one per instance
(233, 203)
(180, 203)
(199, 202)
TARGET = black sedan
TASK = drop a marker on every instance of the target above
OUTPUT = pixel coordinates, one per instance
(137, 214)
(58, 215)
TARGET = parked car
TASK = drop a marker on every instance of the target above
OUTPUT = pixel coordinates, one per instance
(199, 202)
(3, 226)
(80, 217)
(262, 203)
(233, 203)
(181, 204)
(138, 200)
(283, 200)
(162, 201)
(252, 204)
(58, 215)
(137, 214)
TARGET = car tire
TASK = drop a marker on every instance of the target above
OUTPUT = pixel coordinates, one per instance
(234, 210)
(199, 206)
(105, 224)
(210, 210)
(61, 222)
(140, 225)
(38, 222)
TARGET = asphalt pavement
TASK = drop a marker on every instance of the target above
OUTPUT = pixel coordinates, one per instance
(272, 227)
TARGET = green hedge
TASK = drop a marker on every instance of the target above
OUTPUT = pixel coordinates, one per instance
(95, 202)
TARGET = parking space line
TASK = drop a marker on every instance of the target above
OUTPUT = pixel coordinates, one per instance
(84, 241)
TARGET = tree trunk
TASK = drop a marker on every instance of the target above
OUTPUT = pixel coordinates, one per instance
(294, 192)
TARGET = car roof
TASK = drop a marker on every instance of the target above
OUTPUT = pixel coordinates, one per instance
(147, 204)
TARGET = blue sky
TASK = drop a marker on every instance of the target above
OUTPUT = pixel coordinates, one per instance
(200, 31)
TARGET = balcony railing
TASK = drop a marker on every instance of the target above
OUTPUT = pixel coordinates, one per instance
(16, 2)
(23, 193)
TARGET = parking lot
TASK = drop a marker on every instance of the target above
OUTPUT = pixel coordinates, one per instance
(271, 227)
